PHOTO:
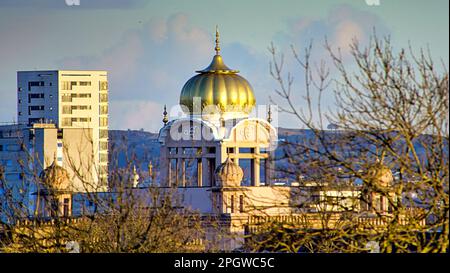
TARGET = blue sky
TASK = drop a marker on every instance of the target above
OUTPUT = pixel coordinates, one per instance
(151, 48)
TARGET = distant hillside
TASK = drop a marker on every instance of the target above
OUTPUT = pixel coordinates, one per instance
(289, 131)
(132, 135)
(137, 146)
(141, 147)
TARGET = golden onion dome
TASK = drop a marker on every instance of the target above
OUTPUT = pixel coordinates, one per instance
(219, 86)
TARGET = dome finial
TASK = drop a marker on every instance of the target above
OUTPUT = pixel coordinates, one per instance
(217, 48)
(222, 119)
(269, 115)
(135, 177)
(165, 118)
(55, 159)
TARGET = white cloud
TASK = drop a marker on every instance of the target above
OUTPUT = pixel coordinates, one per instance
(149, 66)
(340, 27)
(135, 114)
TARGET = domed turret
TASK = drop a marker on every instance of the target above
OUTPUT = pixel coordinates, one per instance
(229, 174)
(219, 89)
(55, 177)
(381, 175)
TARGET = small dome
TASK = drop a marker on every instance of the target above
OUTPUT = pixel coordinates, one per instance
(380, 175)
(55, 176)
(229, 174)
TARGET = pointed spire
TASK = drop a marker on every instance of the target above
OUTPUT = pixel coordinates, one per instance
(135, 177)
(383, 154)
(269, 115)
(150, 169)
(165, 118)
(217, 48)
(222, 120)
(55, 160)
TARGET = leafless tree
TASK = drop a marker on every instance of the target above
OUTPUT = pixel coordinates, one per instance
(390, 111)
(125, 218)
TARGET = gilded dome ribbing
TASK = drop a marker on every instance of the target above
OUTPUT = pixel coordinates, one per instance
(220, 86)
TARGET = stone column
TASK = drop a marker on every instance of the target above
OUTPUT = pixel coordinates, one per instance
(177, 173)
(256, 168)
(199, 172)
(270, 167)
(169, 181)
(183, 172)
(165, 167)
(221, 154)
(205, 168)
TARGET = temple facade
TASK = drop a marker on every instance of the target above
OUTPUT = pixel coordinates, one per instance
(219, 160)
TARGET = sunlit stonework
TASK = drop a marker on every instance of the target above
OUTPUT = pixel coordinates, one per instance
(221, 163)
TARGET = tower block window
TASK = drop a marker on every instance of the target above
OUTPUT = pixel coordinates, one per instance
(103, 122)
(65, 85)
(103, 109)
(103, 86)
(35, 83)
(103, 97)
(103, 133)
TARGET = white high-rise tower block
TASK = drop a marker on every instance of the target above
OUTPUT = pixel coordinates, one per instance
(70, 99)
